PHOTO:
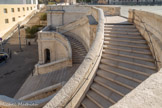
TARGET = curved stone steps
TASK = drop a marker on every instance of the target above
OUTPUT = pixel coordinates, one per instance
(126, 62)
(78, 50)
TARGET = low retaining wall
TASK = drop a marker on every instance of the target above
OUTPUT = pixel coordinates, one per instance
(77, 81)
(28, 102)
(52, 66)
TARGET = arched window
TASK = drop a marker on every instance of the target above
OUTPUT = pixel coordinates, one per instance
(47, 55)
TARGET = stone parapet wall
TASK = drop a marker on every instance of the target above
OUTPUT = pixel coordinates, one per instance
(52, 66)
(150, 27)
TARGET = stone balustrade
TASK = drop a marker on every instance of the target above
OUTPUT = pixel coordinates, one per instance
(86, 69)
(149, 25)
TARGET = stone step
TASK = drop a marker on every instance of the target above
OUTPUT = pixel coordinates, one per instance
(124, 36)
(128, 40)
(78, 50)
(126, 67)
(111, 71)
(128, 80)
(87, 103)
(131, 45)
(128, 49)
(131, 55)
(102, 91)
(120, 26)
(102, 73)
(130, 66)
(128, 62)
(120, 32)
(98, 100)
(126, 43)
(137, 38)
(112, 85)
(108, 87)
(145, 64)
(120, 29)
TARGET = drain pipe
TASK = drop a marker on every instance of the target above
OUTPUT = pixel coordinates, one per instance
(62, 16)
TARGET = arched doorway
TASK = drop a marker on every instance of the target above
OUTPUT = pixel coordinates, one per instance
(47, 55)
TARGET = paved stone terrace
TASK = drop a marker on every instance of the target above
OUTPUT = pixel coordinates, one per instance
(38, 82)
(116, 19)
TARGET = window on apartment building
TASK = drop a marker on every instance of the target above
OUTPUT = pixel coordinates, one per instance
(18, 9)
(5, 10)
(6, 21)
(23, 9)
(19, 16)
(31, 8)
(24, 15)
(13, 19)
(27, 8)
(12, 10)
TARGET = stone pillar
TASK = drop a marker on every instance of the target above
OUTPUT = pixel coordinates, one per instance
(55, 18)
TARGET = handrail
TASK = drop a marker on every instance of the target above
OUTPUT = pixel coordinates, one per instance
(147, 31)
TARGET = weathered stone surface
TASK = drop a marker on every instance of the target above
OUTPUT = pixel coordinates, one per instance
(149, 25)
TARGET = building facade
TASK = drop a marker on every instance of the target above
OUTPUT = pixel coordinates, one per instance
(18, 1)
(130, 2)
(13, 12)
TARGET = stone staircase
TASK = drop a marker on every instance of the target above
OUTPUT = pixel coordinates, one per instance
(78, 50)
(126, 62)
